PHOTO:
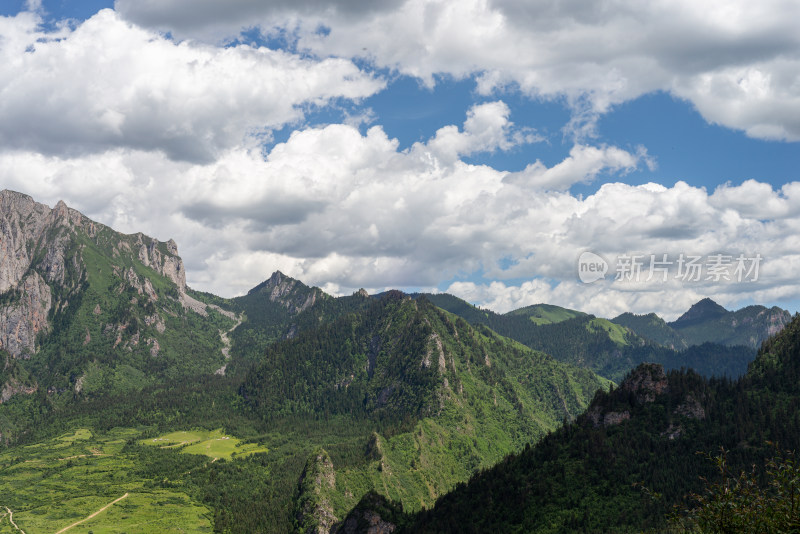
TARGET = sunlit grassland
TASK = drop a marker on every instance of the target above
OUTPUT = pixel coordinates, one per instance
(211, 443)
(51, 485)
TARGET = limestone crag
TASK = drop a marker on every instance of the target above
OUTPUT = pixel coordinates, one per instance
(14, 387)
(366, 517)
(691, 408)
(315, 510)
(168, 265)
(41, 265)
(646, 382)
(294, 295)
(21, 223)
(21, 320)
(598, 418)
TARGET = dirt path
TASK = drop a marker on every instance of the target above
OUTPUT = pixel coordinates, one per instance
(226, 342)
(90, 516)
(11, 519)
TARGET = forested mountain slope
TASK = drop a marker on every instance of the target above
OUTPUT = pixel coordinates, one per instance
(87, 311)
(623, 464)
(609, 348)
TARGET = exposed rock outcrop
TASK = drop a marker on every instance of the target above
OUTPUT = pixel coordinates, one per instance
(291, 293)
(41, 265)
(14, 387)
(21, 223)
(25, 317)
(646, 382)
(314, 513)
(691, 408)
(598, 418)
(372, 515)
(168, 265)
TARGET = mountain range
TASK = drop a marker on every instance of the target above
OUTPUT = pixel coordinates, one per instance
(630, 463)
(356, 403)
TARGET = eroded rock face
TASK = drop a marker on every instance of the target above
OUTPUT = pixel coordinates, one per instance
(315, 511)
(599, 418)
(21, 320)
(691, 408)
(647, 382)
(366, 517)
(168, 265)
(282, 289)
(367, 522)
(14, 387)
(38, 254)
(21, 223)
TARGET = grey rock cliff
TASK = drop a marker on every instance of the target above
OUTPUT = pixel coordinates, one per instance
(39, 253)
(292, 294)
(22, 320)
(169, 265)
(21, 223)
(315, 511)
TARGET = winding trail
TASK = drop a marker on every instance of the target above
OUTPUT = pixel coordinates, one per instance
(90, 516)
(226, 342)
(11, 519)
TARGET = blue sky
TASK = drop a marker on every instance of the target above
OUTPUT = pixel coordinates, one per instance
(420, 144)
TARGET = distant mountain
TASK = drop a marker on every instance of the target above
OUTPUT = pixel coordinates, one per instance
(632, 457)
(653, 328)
(701, 312)
(362, 402)
(707, 321)
(280, 308)
(546, 313)
(567, 335)
(609, 348)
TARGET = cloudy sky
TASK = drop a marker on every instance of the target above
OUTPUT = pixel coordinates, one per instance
(479, 147)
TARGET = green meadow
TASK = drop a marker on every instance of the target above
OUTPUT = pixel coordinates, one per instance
(212, 443)
(84, 482)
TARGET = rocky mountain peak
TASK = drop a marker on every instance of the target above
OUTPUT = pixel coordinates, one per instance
(41, 256)
(701, 311)
(285, 290)
(314, 507)
(647, 381)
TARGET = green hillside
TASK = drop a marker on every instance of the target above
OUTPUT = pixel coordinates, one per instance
(95, 313)
(280, 308)
(452, 399)
(653, 328)
(609, 348)
(631, 457)
(707, 321)
(546, 313)
(407, 400)
(130, 402)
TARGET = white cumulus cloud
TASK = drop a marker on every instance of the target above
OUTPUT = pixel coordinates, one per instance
(736, 61)
(342, 209)
(108, 83)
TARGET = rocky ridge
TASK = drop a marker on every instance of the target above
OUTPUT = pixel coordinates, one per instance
(314, 512)
(645, 385)
(291, 293)
(45, 271)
